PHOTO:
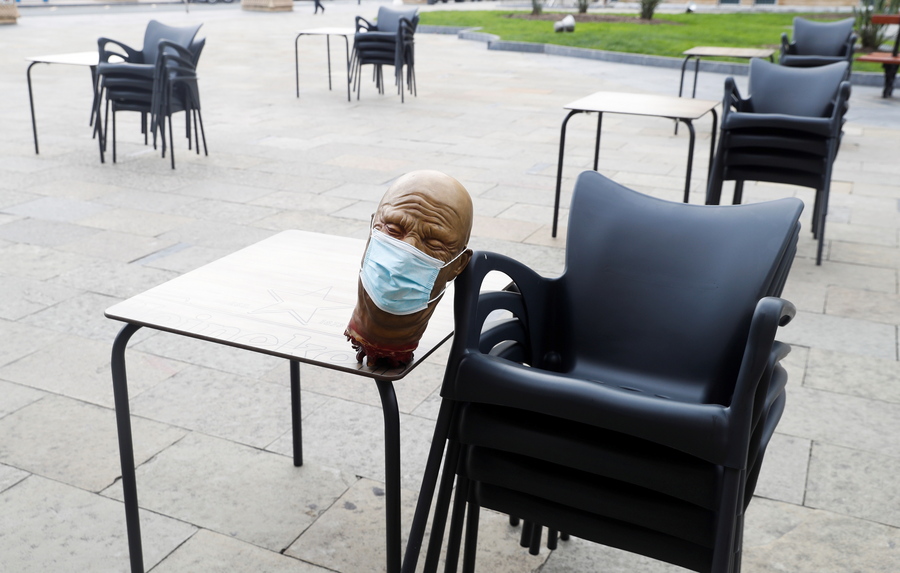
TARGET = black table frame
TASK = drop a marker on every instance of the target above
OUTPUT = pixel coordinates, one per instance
(439, 330)
(690, 162)
(328, 33)
(52, 59)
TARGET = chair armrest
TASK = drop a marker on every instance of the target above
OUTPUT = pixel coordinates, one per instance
(761, 354)
(786, 46)
(523, 299)
(170, 48)
(411, 24)
(842, 103)
(363, 24)
(130, 55)
(732, 99)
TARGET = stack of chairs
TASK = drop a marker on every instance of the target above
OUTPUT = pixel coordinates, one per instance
(629, 401)
(818, 43)
(156, 81)
(787, 130)
(390, 41)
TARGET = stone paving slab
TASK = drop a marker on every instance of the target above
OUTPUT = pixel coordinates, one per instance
(211, 424)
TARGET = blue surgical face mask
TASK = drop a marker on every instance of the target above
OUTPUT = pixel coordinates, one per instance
(397, 276)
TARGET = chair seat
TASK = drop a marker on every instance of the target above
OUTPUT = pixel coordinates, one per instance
(599, 529)
(809, 61)
(588, 448)
(821, 126)
(127, 69)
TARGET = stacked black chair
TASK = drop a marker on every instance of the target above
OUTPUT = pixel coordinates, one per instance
(787, 130)
(818, 43)
(628, 402)
(176, 90)
(127, 83)
(388, 42)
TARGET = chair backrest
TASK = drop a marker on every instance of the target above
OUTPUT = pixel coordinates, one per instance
(807, 92)
(821, 38)
(666, 291)
(389, 18)
(156, 31)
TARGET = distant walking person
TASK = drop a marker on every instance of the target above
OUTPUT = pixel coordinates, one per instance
(319, 5)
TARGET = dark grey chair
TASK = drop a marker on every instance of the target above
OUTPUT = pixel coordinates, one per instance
(176, 90)
(390, 41)
(629, 401)
(787, 130)
(818, 43)
(127, 82)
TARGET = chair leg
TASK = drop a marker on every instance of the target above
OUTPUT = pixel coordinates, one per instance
(822, 213)
(471, 546)
(171, 143)
(738, 192)
(442, 507)
(187, 128)
(114, 133)
(525, 536)
(731, 503)
(196, 131)
(202, 133)
(534, 547)
(552, 536)
(456, 524)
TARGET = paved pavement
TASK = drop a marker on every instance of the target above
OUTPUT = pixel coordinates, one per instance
(211, 425)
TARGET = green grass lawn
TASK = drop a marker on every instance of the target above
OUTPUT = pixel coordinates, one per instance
(666, 35)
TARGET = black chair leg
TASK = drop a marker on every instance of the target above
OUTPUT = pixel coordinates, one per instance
(171, 143)
(456, 525)
(202, 133)
(738, 192)
(442, 507)
(471, 538)
(114, 133)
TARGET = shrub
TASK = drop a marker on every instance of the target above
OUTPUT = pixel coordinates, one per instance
(871, 36)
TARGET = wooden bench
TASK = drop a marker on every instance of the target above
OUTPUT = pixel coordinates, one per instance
(890, 61)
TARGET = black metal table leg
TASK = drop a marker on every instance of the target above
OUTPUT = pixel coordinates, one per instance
(31, 101)
(690, 161)
(597, 140)
(347, 52)
(296, 422)
(712, 142)
(328, 50)
(126, 448)
(391, 414)
(562, 148)
(297, 64)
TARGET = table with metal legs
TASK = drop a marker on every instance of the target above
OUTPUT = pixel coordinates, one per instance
(289, 296)
(680, 109)
(718, 52)
(347, 33)
(88, 59)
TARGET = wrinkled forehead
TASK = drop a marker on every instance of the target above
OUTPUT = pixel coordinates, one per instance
(431, 199)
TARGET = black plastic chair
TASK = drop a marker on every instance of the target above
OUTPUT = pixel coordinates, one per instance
(629, 401)
(176, 90)
(787, 130)
(128, 84)
(389, 42)
(818, 43)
